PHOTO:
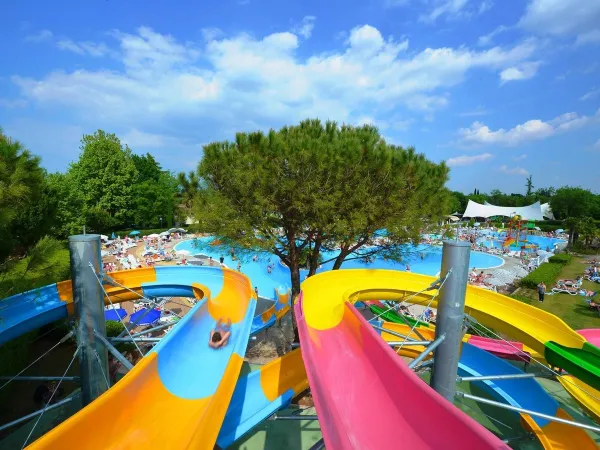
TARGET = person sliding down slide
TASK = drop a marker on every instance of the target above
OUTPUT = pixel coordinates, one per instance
(220, 335)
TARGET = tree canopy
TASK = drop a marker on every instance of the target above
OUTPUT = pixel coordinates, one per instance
(21, 184)
(305, 188)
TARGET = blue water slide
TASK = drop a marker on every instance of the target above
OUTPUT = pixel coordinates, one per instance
(525, 393)
(29, 311)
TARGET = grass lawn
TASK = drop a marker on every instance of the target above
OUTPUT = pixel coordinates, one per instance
(570, 308)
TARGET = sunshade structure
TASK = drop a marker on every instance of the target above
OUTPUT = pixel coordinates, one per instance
(134, 233)
(148, 317)
(531, 212)
(115, 314)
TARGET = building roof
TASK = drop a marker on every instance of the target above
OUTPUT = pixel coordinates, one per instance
(531, 212)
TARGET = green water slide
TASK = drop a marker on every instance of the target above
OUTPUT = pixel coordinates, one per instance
(392, 316)
(582, 363)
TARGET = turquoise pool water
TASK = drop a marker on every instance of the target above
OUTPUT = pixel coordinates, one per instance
(495, 241)
(423, 259)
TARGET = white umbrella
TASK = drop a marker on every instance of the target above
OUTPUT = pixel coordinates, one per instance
(164, 233)
(154, 236)
(103, 237)
(537, 228)
(453, 218)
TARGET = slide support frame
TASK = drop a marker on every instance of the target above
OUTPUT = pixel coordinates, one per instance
(450, 317)
(88, 303)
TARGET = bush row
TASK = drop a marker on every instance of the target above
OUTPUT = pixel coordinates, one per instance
(561, 258)
(547, 273)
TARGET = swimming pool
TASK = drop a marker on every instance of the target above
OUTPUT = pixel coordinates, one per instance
(423, 259)
(495, 239)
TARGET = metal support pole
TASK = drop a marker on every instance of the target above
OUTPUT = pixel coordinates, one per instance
(525, 437)
(406, 322)
(320, 445)
(127, 339)
(116, 353)
(152, 330)
(35, 413)
(451, 312)
(408, 344)
(295, 417)
(74, 379)
(431, 347)
(502, 377)
(527, 411)
(393, 333)
(88, 301)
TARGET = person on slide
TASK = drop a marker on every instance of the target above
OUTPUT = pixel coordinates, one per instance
(220, 335)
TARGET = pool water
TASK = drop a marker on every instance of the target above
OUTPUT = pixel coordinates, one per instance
(495, 241)
(423, 259)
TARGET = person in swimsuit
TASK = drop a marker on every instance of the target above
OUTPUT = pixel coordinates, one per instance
(220, 335)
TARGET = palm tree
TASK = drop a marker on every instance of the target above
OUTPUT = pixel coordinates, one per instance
(529, 185)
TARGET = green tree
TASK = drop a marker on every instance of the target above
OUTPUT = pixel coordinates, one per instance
(299, 190)
(147, 167)
(21, 180)
(459, 204)
(103, 177)
(529, 185)
(189, 186)
(155, 199)
(572, 202)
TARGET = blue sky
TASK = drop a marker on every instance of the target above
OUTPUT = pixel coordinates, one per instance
(498, 89)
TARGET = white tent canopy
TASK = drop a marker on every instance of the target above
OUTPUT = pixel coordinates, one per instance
(547, 211)
(531, 212)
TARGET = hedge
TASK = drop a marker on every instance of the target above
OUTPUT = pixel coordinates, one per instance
(547, 272)
(561, 258)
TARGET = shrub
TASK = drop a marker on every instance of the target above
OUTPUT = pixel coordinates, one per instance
(561, 258)
(547, 273)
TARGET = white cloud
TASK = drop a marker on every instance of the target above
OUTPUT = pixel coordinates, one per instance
(513, 170)
(211, 33)
(596, 146)
(523, 71)
(486, 40)
(564, 19)
(531, 130)
(590, 95)
(454, 9)
(140, 139)
(466, 160)
(83, 48)
(305, 27)
(519, 158)
(40, 36)
(484, 6)
(243, 82)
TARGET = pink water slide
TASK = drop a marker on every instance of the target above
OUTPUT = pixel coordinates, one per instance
(367, 398)
(592, 335)
(502, 349)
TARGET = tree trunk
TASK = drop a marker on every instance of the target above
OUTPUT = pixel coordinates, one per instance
(295, 278)
(571, 237)
(340, 259)
(314, 258)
